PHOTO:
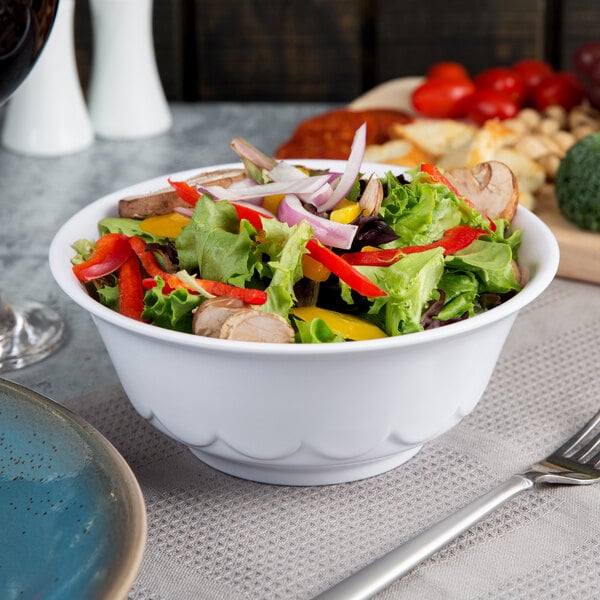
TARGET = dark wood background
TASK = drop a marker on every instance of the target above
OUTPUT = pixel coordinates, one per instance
(333, 50)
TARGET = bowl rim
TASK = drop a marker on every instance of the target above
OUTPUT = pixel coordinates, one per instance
(60, 252)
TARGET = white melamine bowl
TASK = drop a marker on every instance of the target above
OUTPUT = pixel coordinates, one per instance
(303, 414)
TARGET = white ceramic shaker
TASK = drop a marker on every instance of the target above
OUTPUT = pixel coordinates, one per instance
(47, 115)
(126, 99)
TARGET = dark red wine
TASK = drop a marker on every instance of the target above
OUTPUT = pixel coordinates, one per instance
(24, 28)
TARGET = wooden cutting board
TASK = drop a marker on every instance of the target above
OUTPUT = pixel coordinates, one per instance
(579, 249)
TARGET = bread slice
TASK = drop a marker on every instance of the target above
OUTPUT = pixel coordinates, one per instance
(481, 147)
(397, 152)
(436, 137)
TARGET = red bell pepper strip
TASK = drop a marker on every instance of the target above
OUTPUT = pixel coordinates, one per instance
(216, 288)
(455, 239)
(112, 250)
(147, 257)
(437, 177)
(346, 272)
(131, 292)
(254, 217)
(374, 258)
(149, 282)
(355, 279)
(185, 191)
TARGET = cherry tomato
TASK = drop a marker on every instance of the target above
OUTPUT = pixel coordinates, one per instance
(593, 95)
(442, 99)
(595, 73)
(490, 104)
(448, 70)
(586, 56)
(533, 71)
(562, 88)
(503, 80)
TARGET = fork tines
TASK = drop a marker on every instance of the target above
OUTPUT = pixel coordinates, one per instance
(584, 446)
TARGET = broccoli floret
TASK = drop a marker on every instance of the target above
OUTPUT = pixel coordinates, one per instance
(578, 183)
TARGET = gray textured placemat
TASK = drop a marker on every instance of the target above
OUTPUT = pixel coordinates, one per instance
(215, 536)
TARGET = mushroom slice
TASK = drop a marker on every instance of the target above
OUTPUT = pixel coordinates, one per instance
(166, 200)
(251, 325)
(212, 313)
(371, 198)
(222, 177)
(491, 187)
(160, 202)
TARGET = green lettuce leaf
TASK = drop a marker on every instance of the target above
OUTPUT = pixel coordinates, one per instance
(83, 250)
(421, 212)
(284, 246)
(410, 283)
(108, 295)
(214, 245)
(315, 332)
(461, 290)
(491, 262)
(171, 311)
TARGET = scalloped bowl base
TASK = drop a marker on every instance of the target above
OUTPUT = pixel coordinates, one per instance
(299, 475)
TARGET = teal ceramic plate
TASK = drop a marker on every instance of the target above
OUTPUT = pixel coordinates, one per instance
(72, 515)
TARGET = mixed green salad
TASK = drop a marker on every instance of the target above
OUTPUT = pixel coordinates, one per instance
(330, 256)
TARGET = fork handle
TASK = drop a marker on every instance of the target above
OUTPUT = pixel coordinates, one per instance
(380, 573)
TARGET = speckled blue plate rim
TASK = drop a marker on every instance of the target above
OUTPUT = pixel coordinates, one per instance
(132, 545)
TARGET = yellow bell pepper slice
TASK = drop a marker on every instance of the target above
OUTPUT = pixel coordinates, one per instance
(169, 225)
(271, 203)
(313, 269)
(345, 212)
(349, 326)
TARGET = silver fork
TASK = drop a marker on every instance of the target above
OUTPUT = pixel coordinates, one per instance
(576, 462)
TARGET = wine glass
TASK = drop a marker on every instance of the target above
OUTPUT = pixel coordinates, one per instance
(31, 331)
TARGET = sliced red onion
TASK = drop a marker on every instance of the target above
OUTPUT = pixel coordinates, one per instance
(242, 183)
(286, 172)
(245, 184)
(307, 185)
(258, 209)
(283, 171)
(330, 233)
(346, 181)
(245, 150)
(184, 210)
(188, 212)
(318, 198)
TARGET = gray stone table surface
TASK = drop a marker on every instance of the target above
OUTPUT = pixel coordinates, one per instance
(37, 195)
(213, 536)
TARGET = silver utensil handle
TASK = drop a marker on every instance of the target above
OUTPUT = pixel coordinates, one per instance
(380, 573)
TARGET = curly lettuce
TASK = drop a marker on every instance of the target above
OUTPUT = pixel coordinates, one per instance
(216, 245)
